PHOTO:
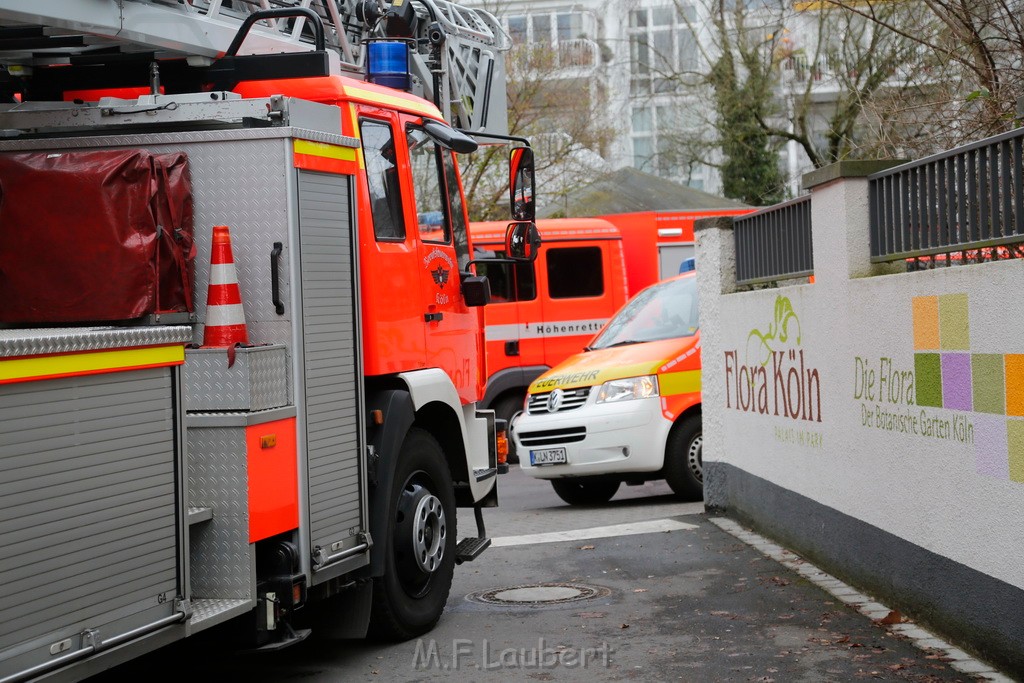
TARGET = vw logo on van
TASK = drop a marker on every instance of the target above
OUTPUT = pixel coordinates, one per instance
(555, 400)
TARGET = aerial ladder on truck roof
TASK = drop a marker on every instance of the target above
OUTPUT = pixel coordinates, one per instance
(456, 54)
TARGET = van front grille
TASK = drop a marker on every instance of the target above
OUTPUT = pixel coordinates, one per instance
(571, 399)
(553, 437)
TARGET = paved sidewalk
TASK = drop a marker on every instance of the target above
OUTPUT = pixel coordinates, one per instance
(880, 614)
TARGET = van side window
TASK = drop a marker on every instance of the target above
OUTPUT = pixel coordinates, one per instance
(575, 272)
(509, 281)
(382, 180)
(431, 194)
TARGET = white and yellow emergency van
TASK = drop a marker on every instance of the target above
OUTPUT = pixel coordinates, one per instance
(625, 409)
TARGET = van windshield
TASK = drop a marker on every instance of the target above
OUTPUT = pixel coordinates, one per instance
(663, 311)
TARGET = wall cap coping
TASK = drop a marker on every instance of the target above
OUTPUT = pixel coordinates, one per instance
(848, 168)
(720, 222)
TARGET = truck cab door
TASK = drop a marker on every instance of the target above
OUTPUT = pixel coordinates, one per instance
(390, 277)
(453, 336)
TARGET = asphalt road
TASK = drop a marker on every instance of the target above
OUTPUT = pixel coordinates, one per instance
(685, 602)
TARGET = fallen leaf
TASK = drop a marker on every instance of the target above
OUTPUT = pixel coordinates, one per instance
(844, 639)
(624, 626)
(893, 617)
(586, 547)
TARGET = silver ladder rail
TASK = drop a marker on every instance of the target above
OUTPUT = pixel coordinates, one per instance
(465, 78)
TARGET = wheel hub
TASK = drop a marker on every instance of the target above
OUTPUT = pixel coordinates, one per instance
(694, 458)
(421, 534)
(429, 532)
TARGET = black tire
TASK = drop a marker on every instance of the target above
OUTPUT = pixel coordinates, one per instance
(684, 461)
(583, 491)
(504, 409)
(420, 545)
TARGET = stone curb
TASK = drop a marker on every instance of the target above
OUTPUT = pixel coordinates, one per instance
(921, 638)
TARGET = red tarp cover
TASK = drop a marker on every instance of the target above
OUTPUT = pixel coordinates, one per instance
(94, 236)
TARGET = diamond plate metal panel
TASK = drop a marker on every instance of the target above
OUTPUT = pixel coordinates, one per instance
(258, 379)
(34, 342)
(244, 185)
(221, 559)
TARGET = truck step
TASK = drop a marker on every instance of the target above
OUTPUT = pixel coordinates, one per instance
(197, 515)
(207, 612)
(287, 636)
(470, 548)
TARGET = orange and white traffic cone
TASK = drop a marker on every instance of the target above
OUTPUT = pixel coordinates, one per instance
(225, 317)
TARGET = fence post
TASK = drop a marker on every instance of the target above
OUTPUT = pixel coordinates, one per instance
(840, 220)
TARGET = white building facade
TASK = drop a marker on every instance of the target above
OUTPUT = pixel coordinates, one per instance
(640, 55)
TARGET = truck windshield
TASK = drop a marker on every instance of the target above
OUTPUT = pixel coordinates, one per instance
(663, 311)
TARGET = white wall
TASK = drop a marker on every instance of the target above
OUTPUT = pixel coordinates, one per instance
(961, 495)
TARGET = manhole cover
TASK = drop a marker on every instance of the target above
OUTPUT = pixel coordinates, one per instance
(539, 594)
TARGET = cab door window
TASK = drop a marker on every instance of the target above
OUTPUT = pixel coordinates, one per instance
(439, 207)
(427, 181)
(457, 212)
(382, 180)
(575, 272)
(509, 281)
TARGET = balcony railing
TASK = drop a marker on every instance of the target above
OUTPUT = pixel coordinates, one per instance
(774, 243)
(573, 54)
(960, 206)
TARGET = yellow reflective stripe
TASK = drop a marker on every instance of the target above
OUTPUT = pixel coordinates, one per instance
(577, 376)
(89, 363)
(674, 383)
(408, 104)
(322, 149)
(356, 132)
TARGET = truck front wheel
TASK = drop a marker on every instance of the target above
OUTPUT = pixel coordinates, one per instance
(684, 462)
(420, 548)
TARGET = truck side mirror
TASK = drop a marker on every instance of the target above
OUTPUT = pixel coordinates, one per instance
(521, 184)
(522, 241)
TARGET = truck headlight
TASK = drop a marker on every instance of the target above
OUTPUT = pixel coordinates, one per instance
(627, 389)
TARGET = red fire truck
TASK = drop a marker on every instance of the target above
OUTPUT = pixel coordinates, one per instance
(241, 343)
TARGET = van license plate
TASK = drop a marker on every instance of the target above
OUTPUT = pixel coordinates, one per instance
(548, 456)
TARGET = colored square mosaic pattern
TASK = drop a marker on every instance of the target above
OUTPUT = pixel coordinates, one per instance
(947, 375)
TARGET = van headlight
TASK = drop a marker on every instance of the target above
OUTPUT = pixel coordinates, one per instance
(627, 389)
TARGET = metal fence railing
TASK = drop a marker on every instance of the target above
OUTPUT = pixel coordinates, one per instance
(774, 243)
(960, 206)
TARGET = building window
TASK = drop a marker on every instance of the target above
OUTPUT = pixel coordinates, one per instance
(548, 28)
(662, 44)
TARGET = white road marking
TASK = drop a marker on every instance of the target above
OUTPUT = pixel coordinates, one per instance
(630, 529)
